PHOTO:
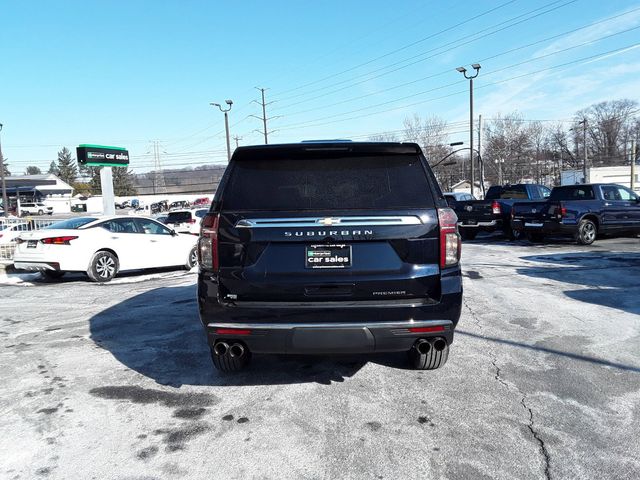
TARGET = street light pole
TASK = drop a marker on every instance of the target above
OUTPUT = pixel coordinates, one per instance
(226, 124)
(5, 201)
(583, 122)
(476, 67)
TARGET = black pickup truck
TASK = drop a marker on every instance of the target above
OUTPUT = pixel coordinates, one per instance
(494, 212)
(580, 211)
(329, 247)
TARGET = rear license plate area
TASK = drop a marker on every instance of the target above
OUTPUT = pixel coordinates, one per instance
(327, 256)
(32, 243)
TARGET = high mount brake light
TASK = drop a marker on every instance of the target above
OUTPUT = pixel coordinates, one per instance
(449, 238)
(208, 242)
(495, 208)
(58, 240)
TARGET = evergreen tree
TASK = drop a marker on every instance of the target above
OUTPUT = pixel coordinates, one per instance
(31, 170)
(123, 182)
(94, 180)
(67, 168)
(53, 168)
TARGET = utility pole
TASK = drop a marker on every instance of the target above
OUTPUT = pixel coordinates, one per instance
(263, 118)
(159, 184)
(237, 139)
(583, 122)
(226, 124)
(633, 164)
(476, 67)
(480, 159)
(5, 201)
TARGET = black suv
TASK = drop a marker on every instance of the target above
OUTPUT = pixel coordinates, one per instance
(329, 247)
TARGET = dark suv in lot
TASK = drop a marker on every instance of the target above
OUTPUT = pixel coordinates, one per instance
(329, 247)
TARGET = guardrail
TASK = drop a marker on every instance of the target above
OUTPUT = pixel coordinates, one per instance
(11, 228)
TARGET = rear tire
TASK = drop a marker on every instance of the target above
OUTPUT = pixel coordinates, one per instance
(103, 267)
(228, 364)
(587, 232)
(52, 274)
(535, 237)
(467, 234)
(428, 361)
(513, 235)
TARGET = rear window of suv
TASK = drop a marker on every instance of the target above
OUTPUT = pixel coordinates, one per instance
(360, 182)
(178, 217)
(574, 192)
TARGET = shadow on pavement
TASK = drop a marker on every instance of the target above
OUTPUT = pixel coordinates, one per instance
(538, 348)
(612, 278)
(158, 334)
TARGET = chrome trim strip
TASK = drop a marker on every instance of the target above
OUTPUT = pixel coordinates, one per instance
(388, 303)
(287, 326)
(378, 220)
(492, 223)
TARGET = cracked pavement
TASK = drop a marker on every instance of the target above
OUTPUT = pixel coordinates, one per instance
(543, 381)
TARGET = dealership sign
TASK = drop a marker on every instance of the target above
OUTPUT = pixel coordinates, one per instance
(102, 156)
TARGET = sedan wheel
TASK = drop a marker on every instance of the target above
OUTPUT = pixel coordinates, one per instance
(192, 261)
(103, 267)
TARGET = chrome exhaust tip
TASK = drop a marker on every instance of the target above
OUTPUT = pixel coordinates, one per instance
(439, 344)
(220, 348)
(422, 346)
(236, 350)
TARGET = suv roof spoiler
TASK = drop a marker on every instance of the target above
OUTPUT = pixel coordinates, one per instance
(363, 148)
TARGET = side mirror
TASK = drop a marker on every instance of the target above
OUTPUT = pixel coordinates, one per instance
(174, 233)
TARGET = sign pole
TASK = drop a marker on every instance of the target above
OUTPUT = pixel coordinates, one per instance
(108, 199)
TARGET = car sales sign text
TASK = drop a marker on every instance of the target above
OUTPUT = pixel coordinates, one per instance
(102, 156)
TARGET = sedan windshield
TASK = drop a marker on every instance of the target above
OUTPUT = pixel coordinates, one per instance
(71, 223)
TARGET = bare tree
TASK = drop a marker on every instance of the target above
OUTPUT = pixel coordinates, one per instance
(430, 133)
(384, 137)
(507, 149)
(608, 126)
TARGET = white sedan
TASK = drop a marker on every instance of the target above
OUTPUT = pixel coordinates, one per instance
(9, 232)
(103, 246)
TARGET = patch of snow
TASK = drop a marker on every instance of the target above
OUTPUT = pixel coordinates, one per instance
(24, 279)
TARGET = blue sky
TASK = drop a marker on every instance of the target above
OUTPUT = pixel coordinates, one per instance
(125, 73)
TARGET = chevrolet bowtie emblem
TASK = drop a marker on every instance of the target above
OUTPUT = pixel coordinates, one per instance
(329, 221)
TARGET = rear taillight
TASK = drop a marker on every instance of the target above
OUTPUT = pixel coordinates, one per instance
(561, 211)
(208, 242)
(495, 208)
(58, 240)
(449, 238)
(191, 220)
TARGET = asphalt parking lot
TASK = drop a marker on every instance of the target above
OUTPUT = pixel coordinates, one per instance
(543, 381)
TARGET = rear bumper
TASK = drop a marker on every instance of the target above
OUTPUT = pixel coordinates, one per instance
(331, 327)
(545, 227)
(490, 226)
(328, 337)
(36, 266)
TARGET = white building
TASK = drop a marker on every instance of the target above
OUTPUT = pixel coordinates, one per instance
(46, 188)
(465, 187)
(619, 175)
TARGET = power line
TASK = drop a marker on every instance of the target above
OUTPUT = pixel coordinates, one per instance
(584, 59)
(451, 46)
(447, 71)
(486, 12)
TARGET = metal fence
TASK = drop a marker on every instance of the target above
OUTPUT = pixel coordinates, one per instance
(12, 227)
